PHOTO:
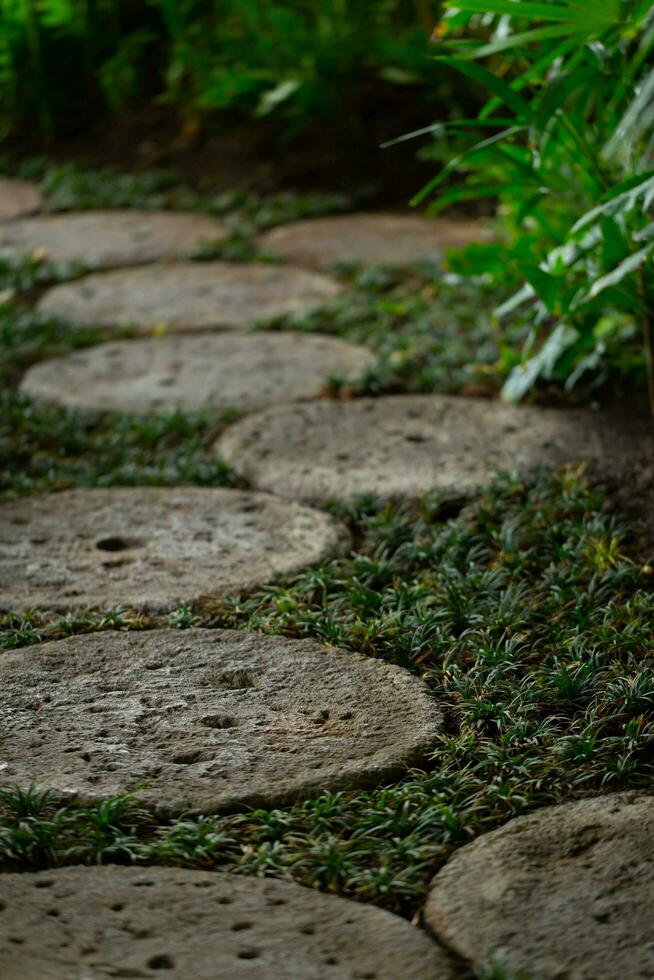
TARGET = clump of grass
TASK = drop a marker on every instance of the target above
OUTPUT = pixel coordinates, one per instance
(530, 623)
(431, 330)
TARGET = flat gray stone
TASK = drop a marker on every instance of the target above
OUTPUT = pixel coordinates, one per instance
(102, 239)
(405, 445)
(368, 238)
(189, 296)
(205, 721)
(566, 891)
(153, 547)
(242, 371)
(18, 198)
(96, 923)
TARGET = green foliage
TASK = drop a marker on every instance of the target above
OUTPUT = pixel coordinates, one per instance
(297, 59)
(528, 619)
(564, 145)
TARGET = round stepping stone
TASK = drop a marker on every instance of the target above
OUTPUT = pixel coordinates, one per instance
(189, 296)
(403, 445)
(180, 924)
(242, 371)
(18, 198)
(368, 239)
(152, 547)
(565, 891)
(103, 239)
(205, 721)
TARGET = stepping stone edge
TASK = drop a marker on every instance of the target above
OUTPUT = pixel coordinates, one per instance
(154, 548)
(205, 721)
(189, 373)
(187, 296)
(566, 891)
(198, 925)
(405, 445)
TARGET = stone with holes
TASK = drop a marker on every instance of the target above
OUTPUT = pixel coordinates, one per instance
(368, 239)
(242, 371)
(152, 547)
(198, 925)
(102, 239)
(189, 296)
(207, 720)
(18, 198)
(566, 891)
(406, 445)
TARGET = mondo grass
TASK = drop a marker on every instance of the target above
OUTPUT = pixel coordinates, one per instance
(525, 615)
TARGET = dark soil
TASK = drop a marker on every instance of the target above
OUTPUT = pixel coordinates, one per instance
(222, 151)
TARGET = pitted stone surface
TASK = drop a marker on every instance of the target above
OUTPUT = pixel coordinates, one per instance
(189, 296)
(196, 925)
(566, 891)
(102, 239)
(242, 371)
(152, 547)
(18, 198)
(405, 445)
(368, 238)
(207, 720)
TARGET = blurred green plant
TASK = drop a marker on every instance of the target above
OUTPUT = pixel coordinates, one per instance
(565, 146)
(300, 60)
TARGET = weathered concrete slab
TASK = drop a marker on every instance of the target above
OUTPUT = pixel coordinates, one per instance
(566, 891)
(207, 720)
(152, 547)
(368, 238)
(18, 198)
(405, 445)
(242, 371)
(104, 239)
(189, 296)
(197, 925)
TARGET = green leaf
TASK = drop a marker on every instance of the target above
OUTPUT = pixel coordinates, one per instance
(624, 197)
(604, 15)
(545, 285)
(493, 83)
(626, 268)
(523, 39)
(524, 376)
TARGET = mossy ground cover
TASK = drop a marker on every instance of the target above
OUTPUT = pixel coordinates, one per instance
(524, 609)
(527, 618)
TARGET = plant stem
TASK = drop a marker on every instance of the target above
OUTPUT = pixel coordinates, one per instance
(648, 335)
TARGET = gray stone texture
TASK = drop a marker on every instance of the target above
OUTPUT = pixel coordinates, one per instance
(368, 238)
(205, 721)
(18, 198)
(189, 295)
(97, 923)
(566, 891)
(104, 239)
(405, 445)
(243, 371)
(153, 547)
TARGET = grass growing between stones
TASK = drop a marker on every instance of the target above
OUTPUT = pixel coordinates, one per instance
(51, 448)
(525, 614)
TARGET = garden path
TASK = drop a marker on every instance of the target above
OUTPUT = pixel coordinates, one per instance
(207, 721)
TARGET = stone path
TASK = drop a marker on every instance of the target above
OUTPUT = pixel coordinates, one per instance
(18, 198)
(565, 891)
(207, 720)
(189, 296)
(151, 547)
(241, 371)
(368, 239)
(194, 925)
(103, 239)
(217, 721)
(404, 445)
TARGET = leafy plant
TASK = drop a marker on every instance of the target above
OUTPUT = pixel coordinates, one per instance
(564, 146)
